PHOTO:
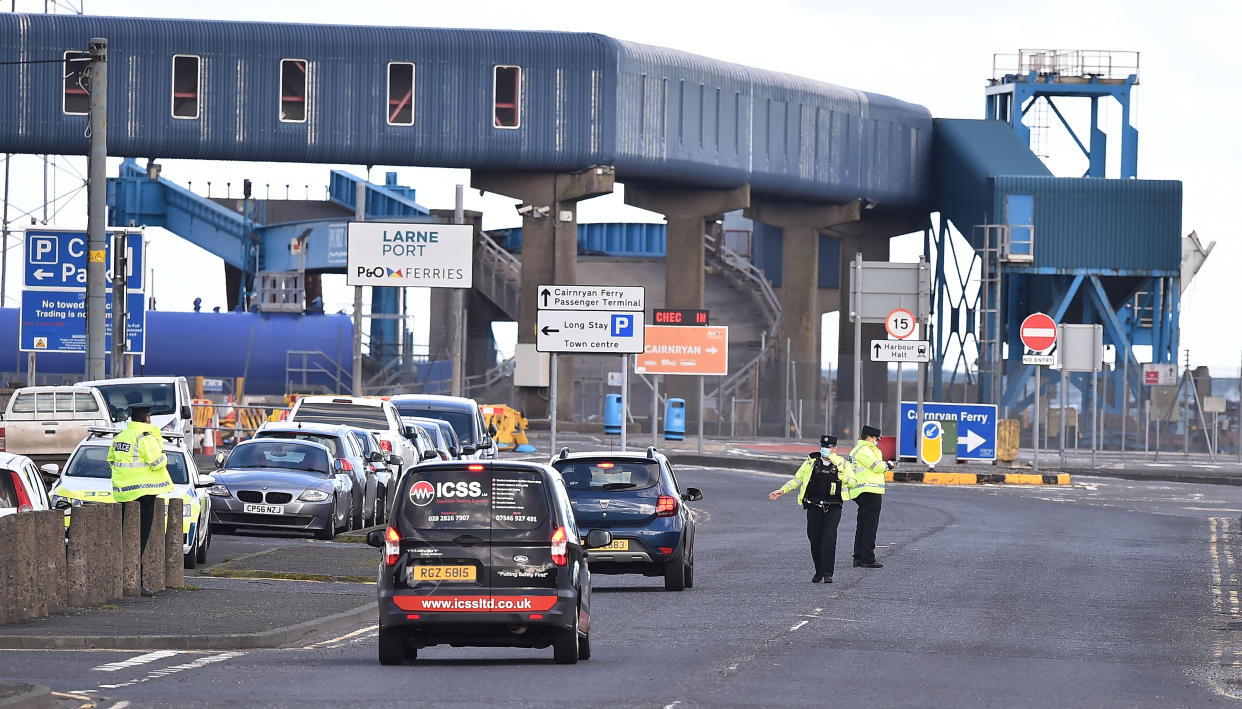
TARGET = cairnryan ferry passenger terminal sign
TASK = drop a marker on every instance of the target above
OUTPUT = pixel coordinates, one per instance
(554, 297)
(427, 255)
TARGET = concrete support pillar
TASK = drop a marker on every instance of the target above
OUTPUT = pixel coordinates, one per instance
(799, 294)
(153, 558)
(549, 254)
(174, 542)
(131, 543)
(687, 213)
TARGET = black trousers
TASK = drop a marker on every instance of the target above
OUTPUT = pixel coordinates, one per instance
(821, 530)
(868, 522)
(146, 519)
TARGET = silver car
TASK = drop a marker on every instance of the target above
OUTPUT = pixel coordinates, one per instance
(280, 484)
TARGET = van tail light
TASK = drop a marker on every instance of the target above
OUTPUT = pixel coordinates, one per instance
(346, 466)
(23, 497)
(475, 468)
(385, 446)
(392, 546)
(666, 506)
(560, 547)
(2, 439)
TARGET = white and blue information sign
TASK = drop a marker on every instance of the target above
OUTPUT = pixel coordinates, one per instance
(427, 255)
(976, 428)
(56, 258)
(590, 332)
(55, 321)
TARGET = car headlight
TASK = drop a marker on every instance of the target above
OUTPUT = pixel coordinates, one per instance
(186, 511)
(219, 490)
(314, 496)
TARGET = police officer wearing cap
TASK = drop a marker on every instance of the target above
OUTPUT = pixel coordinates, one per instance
(140, 470)
(866, 488)
(819, 478)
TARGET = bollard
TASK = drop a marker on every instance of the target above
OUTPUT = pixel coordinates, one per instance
(153, 559)
(174, 570)
(131, 581)
(51, 536)
(84, 587)
(8, 563)
(109, 561)
(21, 582)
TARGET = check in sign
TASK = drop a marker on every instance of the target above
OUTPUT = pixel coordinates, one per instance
(427, 255)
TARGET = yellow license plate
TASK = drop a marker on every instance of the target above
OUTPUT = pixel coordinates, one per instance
(444, 573)
(617, 545)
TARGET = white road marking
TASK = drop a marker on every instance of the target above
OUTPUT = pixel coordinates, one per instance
(346, 636)
(799, 624)
(119, 705)
(672, 705)
(157, 674)
(136, 661)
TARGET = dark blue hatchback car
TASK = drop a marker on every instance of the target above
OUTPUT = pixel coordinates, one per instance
(634, 496)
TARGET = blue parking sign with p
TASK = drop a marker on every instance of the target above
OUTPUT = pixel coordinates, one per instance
(622, 325)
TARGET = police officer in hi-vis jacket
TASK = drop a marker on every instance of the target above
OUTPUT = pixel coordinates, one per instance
(819, 481)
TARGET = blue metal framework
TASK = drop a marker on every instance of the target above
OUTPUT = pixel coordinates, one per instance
(1047, 74)
(1111, 264)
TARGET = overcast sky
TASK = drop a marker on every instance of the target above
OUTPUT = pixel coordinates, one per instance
(938, 54)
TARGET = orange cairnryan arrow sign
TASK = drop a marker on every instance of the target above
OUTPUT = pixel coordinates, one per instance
(685, 349)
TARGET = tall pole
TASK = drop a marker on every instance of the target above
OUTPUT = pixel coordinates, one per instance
(4, 229)
(857, 315)
(1125, 400)
(96, 205)
(655, 408)
(552, 402)
(1061, 417)
(625, 397)
(458, 304)
(120, 315)
(700, 378)
(360, 214)
(1237, 430)
(1035, 429)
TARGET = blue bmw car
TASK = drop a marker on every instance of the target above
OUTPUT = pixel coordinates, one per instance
(634, 496)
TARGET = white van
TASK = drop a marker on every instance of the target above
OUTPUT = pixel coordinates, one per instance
(45, 423)
(167, 397)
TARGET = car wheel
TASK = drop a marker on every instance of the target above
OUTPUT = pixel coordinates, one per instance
(392, 647)
(328, 532)
(565, 645)
(201, 554)
(355, 522)
(690, 569)
(675, 575)
(189, 560)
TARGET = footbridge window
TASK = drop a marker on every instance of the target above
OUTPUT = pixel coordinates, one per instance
(293, 82)
(507, 97)
(76, 98)
(400, 94)
(185, 81)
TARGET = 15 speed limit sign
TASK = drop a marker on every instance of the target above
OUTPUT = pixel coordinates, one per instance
(900, 324)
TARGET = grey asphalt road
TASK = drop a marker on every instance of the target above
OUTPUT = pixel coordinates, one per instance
(1109, 593)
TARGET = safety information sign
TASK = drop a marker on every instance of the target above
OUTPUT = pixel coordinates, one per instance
(426, 255)
(55, 321)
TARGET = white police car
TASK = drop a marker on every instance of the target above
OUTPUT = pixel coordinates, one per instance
(87, 479)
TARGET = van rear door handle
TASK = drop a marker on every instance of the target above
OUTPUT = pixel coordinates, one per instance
(467, 540)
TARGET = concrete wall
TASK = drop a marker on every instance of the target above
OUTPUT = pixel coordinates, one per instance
(46, 569)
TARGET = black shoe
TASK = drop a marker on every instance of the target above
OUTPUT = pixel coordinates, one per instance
(146, 592)
(827, 579)
(872, 565)
(857, 563)
(817, 578)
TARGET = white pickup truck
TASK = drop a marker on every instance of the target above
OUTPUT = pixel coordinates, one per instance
(45, 423)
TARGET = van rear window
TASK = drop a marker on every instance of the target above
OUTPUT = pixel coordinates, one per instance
(475, 500)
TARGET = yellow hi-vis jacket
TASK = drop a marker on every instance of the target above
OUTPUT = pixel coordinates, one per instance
(868, 469)
(803, 475)
(139, 466)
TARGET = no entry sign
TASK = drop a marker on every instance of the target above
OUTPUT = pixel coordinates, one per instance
(1038, 332)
